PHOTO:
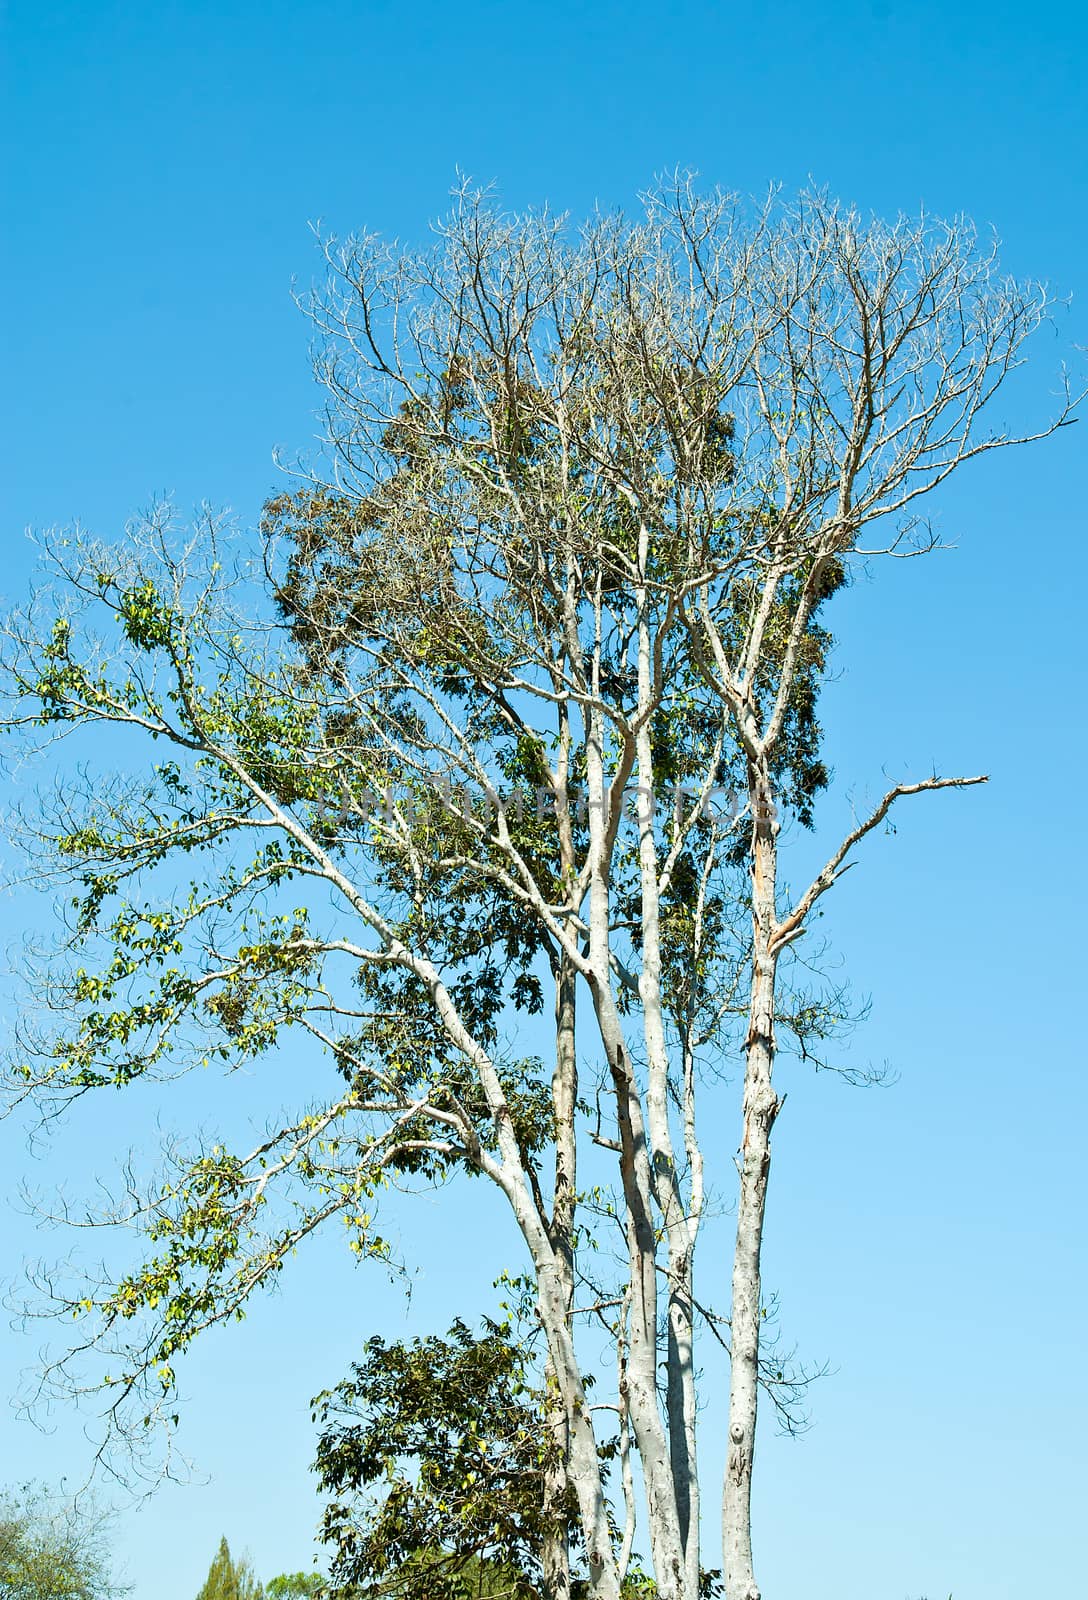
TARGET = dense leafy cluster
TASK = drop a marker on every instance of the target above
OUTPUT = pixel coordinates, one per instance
(434, 1453)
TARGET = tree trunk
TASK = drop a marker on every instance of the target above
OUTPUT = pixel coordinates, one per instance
(761, 1105)
(681, 1411)
(555, 1547)
(679, 1363)
(666, 1550)
(583, 1466)
(555, 1553)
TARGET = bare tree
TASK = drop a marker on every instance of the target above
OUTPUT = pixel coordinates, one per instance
(541, 692)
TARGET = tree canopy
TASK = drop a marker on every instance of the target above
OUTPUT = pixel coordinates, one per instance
(498, 726)
(51, 1549)
(294, 1585)
(435, 1450)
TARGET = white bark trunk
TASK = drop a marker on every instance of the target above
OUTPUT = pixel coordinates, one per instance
(584, 1465)
(555, 1555)
(760, 1109)
(680, 1370)
(637, 1182)
(646, 1421)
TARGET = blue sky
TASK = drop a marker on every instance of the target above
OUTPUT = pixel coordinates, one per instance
(162, 164)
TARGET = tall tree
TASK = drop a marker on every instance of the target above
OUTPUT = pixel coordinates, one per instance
(533, 691)
(229, 1579)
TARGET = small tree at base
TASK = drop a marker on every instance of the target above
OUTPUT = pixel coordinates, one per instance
(436, 1452)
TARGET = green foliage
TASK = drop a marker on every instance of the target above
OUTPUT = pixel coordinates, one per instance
(52, 1550)
(295, 1586)
(229, 1579)
(434, 1453)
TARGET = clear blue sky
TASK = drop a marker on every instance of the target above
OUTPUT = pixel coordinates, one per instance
(162, 163)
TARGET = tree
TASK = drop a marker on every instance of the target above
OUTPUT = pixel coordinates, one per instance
(528, 699)
(51, 1550)
(229, 1579)
(435, 1452)
(294, 1586)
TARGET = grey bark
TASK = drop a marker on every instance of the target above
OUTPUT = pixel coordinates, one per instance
(760, 1107)
(555, 1556)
